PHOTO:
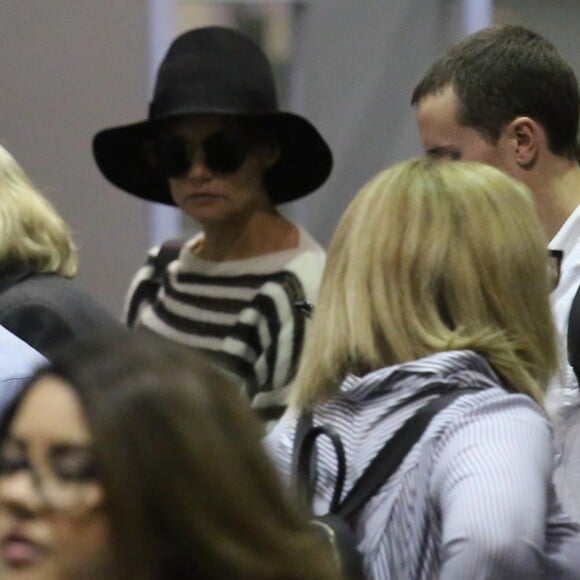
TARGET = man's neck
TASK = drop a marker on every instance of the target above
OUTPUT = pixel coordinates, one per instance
(556, 188)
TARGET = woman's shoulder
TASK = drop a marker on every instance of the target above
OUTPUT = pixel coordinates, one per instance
(42, 288)
(384, 398)
(308, 252)
(301, 266)
(55, 295)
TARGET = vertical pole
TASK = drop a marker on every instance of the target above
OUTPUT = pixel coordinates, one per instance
(477, 14)
(164, 222)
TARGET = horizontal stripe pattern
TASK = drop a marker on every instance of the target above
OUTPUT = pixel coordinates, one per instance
(472, 499)
(242, 311)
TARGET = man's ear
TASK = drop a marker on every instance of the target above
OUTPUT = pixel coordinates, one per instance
(526, 136)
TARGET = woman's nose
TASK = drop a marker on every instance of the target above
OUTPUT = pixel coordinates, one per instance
(198, 168)
(19, 494)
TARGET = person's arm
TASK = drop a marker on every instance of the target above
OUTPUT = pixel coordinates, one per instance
(492, 486)
(142, 290)
(42, 326)
(149, 279)
(264, 348)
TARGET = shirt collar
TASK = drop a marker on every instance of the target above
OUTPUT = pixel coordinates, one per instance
(567, 236)
(438, 366)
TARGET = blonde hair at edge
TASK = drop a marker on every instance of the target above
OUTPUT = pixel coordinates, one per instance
(31, 231)
(433, 256)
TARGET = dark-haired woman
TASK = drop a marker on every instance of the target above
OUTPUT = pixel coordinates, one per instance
(217, 146)
(129, 458)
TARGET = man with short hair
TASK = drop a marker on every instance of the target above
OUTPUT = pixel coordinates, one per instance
(504, 96)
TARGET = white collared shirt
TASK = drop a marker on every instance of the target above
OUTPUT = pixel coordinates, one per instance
(563, 397)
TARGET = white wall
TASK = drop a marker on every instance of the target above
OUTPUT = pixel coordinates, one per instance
(558, 21)
(67, 69)
(356, 67)
(71, 67)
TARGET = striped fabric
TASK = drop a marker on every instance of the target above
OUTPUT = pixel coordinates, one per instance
(240, 311)
(472, 500)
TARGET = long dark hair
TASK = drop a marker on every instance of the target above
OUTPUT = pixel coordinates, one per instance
(189, 490)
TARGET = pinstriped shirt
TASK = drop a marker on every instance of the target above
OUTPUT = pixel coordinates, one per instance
(474, 497)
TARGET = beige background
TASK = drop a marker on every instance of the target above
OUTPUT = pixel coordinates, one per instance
(71, 67)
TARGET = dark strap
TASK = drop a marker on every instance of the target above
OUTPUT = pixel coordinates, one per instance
(394, 451)
(381, 467)
(304, 477)
(147, 289)
(168, 252)
(303, 425)
(574, 335)
(305, 488)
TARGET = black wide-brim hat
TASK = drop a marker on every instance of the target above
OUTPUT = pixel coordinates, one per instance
(208, 71)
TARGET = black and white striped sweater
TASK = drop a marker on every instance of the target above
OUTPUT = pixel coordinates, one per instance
(242, 311)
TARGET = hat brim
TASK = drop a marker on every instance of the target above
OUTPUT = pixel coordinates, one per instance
(304, 165)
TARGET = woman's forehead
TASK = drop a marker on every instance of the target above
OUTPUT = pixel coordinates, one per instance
(50, 413)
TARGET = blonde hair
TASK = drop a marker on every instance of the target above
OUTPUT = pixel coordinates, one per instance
(31, 231)
(433, 256)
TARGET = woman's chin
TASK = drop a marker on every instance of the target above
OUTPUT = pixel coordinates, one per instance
(37, 571)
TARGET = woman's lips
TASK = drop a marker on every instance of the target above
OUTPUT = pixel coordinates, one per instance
(18, 550)
(205, 197)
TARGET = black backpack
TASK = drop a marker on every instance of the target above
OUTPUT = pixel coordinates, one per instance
(335, 527)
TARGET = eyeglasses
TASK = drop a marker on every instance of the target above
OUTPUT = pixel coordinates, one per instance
(65, 478)
(223, 152)
(554, 267)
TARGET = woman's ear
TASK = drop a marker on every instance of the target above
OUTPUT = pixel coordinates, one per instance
(270, 154)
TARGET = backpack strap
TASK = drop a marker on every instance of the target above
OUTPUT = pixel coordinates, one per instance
(395, 450)
(303, 425)
(168, 252)
(573, 338)
(304, 473)
(306, 465)
(381, 467)
(148, 288)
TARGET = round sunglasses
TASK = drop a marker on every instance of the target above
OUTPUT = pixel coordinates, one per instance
(223, 152)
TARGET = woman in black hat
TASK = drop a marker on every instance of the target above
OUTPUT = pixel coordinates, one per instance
(216, 145)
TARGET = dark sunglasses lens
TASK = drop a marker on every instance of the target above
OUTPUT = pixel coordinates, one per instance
(169, 155)
(224, 152)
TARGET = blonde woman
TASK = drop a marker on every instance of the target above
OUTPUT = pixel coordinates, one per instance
(38, 302)
(437, 273)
